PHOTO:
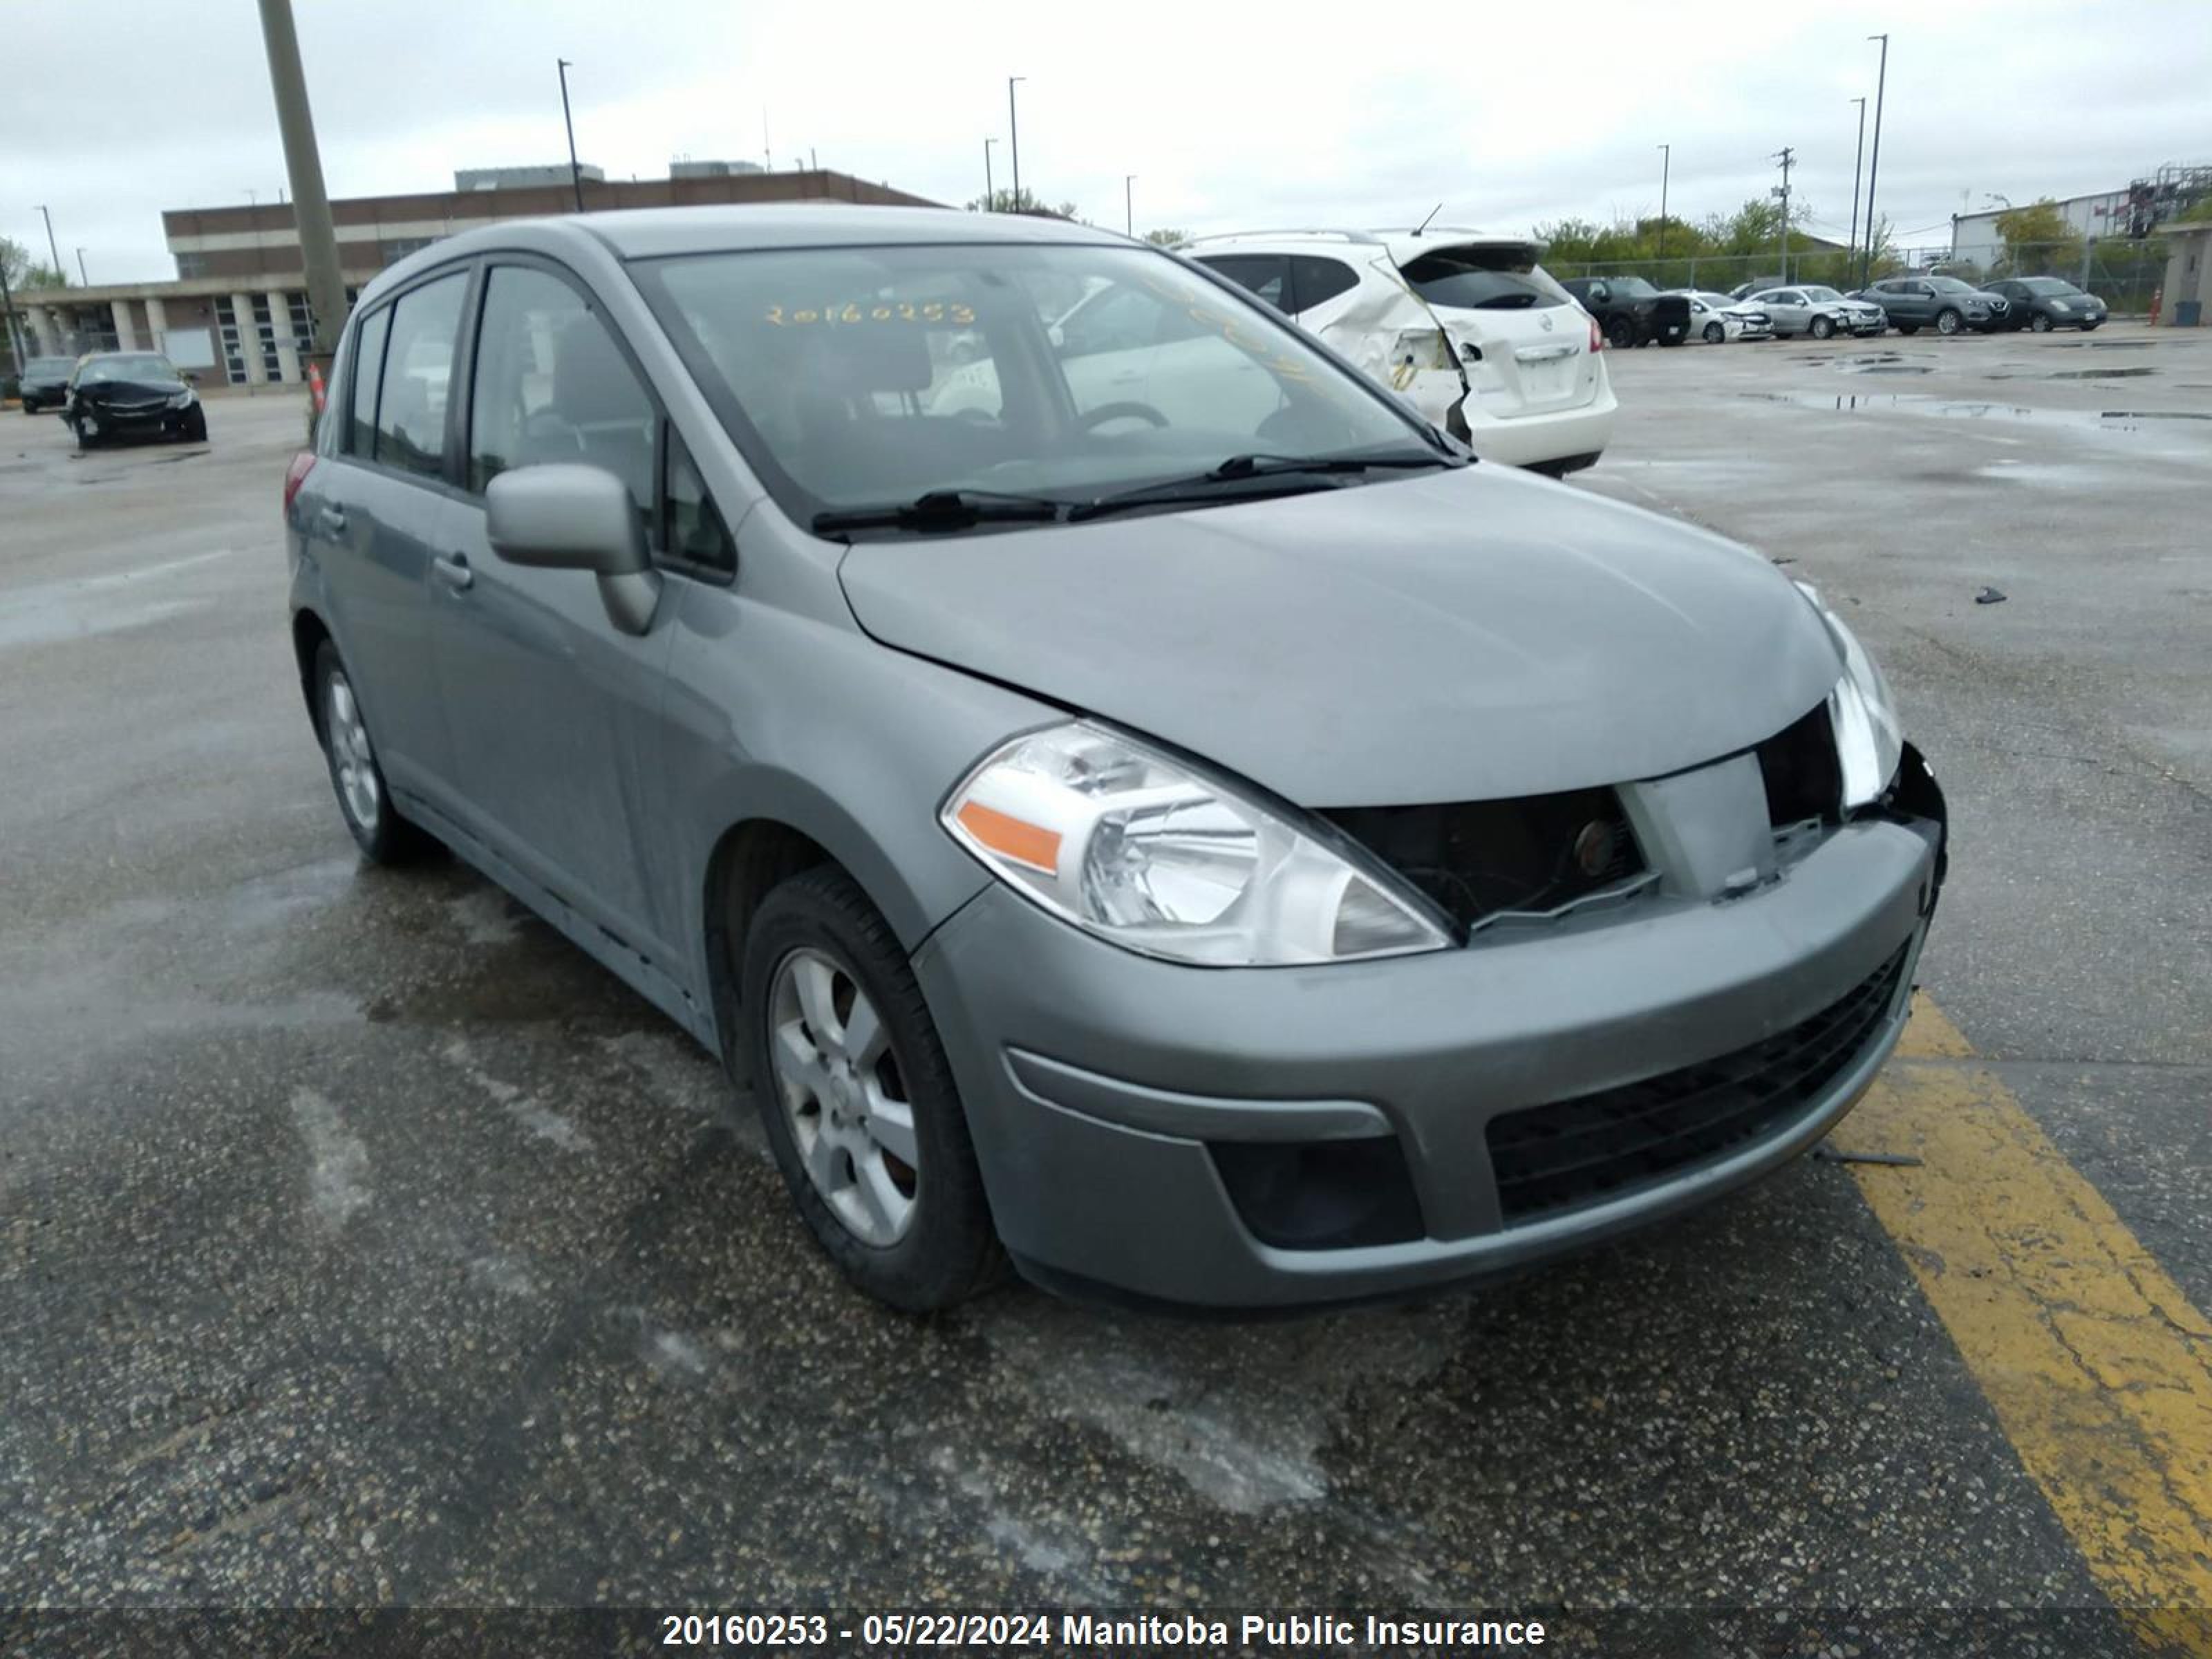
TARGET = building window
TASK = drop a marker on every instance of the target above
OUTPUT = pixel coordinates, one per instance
(189, 265)
(398, 247)
(234, 354)
(265, 331)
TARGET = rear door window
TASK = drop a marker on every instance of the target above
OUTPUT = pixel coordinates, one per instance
(1267, 275)
(418, 373)
(367, 373)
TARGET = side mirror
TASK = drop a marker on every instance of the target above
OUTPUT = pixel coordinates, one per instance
(568, 517)
(191, 377)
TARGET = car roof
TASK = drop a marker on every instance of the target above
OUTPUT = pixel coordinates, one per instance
(1403, 247)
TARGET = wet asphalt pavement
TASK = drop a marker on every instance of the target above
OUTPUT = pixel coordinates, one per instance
(362, 1241)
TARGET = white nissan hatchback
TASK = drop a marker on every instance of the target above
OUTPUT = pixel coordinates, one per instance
(1465, 326)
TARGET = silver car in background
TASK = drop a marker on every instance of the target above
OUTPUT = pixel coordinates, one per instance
(1715, 318)
(1810, 309)
(1206, 841)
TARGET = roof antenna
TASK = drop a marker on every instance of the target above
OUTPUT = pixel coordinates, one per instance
(1424, 224)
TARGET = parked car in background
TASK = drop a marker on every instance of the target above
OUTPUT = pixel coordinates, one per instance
(44, 383)
(1715, 318)
(1819, 312)
(1942, 303)
(2043, 303)
(1255, 859)
(127, 394)
(1466, 326)
(1743, 291)
(1631, 312)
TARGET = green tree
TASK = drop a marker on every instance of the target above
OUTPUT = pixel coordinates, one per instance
(1006, 201)
(25, 272)
(2037, 238)
(1166, 238)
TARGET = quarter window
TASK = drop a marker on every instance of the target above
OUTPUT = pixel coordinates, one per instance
(1266, 275)
(694, 532)
(1315, 281)
(367, 371)
(551, 385)
(419, 371)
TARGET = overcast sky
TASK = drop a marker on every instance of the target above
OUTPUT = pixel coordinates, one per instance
(1510, 114)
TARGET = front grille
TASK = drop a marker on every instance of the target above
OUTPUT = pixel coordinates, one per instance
(1477, 858)
(1597, 1146)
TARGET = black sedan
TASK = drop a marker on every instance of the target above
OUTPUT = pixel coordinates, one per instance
(2044, 303)
(115, 394)
(46, 383)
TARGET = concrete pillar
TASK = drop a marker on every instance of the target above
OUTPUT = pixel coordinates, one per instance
(126, 335)
(288, 349)
(157, 324)
(249, 338)
(42, 324)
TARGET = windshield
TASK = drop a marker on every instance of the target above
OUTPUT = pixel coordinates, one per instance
(1483, 279)
(127, 366)
(1822, 294)
(1949, 285)
(2046, 285)
(47, 366)
(855, 377)
(1634, 286)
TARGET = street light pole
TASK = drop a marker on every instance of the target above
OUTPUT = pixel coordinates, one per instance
(1852, 246)
(79, 268)
(1666, 165)
(303, 165)
(990, 204)
(575, 172)
(1128, 204)
(1873, 166)
(7, 310)
(1014, 137)
(54, 248)
(1787, 157)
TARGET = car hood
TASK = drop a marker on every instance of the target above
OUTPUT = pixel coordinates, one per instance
(1454, 636)
(128, 391)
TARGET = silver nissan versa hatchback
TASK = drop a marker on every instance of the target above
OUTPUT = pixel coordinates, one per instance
(1133, 800)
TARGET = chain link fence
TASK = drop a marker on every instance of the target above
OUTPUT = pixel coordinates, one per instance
(2123, 272)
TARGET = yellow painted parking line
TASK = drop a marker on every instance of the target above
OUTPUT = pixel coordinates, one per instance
(2098, 1368)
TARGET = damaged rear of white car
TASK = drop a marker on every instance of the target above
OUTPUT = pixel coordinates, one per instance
(1467, 327)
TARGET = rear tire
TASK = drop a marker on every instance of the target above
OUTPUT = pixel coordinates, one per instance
(868, 1130)
(1908, 328)
(2091, 328)
(364, 800)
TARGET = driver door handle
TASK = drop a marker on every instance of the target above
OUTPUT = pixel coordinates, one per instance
(453, 569)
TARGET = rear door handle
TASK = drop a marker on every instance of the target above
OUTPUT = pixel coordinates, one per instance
(334, 521)
(453, 569)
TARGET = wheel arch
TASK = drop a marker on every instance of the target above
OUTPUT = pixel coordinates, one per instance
(309, 632)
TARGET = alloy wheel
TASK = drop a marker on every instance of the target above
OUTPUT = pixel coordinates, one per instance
(351, 757)
(839, 1084)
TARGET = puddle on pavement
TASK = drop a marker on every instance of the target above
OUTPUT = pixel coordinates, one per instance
(1845, 402)
(1877, 363)
(2070, 373)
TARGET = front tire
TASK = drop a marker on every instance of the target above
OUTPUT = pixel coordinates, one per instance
(1620, 333)
(858, 1097)
(1822, 328)
(1908, 328)
(1948, 322)
(1714, 334)
(364, 801)
(82, 431)
(195, 427)
(2039, 324)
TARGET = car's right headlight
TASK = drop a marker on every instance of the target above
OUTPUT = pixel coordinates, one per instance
(1869, 737)
(1124, 841)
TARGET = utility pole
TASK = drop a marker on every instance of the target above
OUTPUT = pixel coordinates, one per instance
(1128, 204)
(54, 248)
(990, 191)
(575, 174)
(1852, 246)
(1666, 164)
(303, 163)
(1873, 166)
(1787, 157)
(80, 268)
(1014, 137)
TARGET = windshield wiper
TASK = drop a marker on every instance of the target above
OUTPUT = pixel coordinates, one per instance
(943, 510)
(1243, 469)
